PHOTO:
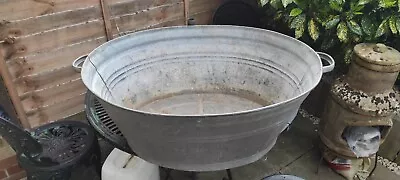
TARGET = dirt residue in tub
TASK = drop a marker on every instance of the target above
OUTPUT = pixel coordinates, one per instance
(191, 102)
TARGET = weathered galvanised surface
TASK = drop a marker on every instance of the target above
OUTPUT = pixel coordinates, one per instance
(202, 98)
(363, 97)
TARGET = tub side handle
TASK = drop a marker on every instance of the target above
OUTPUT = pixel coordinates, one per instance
(78, 63)
(329, 59)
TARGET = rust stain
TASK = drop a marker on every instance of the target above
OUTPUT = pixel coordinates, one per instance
(15, 32)
(47, 11)
(9, 52)
(21, 66)
(27, 85)
(21, 49)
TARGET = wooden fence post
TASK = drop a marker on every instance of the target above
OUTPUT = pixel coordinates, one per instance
(186, 11)
(105, 9)
(12, 91)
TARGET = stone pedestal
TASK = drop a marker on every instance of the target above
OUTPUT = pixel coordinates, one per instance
(363, 97)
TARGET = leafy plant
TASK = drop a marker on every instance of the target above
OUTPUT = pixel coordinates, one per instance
(328, 24)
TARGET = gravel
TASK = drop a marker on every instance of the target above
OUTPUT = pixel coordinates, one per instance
(390, 165)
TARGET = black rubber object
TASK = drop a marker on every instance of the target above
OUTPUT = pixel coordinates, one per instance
(239, 13)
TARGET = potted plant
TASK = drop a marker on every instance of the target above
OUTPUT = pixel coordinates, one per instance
(335, 27)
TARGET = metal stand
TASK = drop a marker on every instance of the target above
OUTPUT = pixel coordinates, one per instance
(193, 175)
(228, 172)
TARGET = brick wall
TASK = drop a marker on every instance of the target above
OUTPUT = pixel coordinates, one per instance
(9, 168)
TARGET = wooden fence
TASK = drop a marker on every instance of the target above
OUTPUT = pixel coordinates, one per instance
(39, 39)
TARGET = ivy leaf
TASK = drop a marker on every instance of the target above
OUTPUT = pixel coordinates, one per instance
(298, 21)
(392, 25)
(343, 32)
(387, 3)
(295, 12)
(336, 5)
(276, 4)
(363, 2)
(382, 29)
(285, 3)
(332, 22)
(354, 27)
(313, 29)
(264, 2)
(368, 25)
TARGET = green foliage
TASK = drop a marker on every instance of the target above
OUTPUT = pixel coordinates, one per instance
(343, 32)
(295, 12)
(387, 3)
(354, 27)
(382, 29)
(330, 24)
(313, 29)
(285, 3)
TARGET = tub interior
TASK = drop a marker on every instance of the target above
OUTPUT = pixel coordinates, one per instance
(200, 72)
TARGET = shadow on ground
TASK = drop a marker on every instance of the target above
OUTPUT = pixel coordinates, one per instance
(296, 153)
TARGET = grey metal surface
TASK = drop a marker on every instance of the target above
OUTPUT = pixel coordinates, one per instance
(202, 98)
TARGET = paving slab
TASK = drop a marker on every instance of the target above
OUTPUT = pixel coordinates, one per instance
(296, 153)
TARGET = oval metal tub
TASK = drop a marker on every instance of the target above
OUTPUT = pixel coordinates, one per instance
(202, 98)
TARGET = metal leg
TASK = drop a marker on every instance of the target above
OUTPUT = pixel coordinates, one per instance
(194, 176)
(319, 164)
(228, 171)
(168, 174)
(375, 165)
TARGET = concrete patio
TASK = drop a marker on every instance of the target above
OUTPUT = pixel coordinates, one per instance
(296, 153)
